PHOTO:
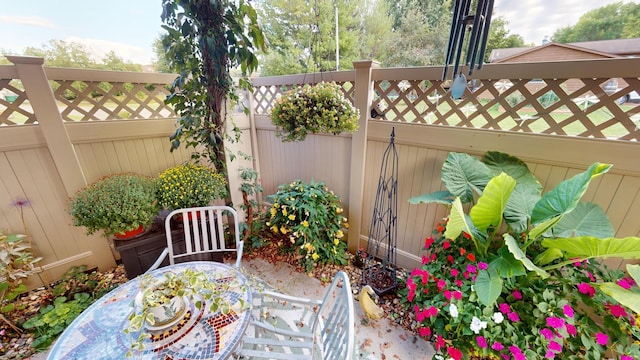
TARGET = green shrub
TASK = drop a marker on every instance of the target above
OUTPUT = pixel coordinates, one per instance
(308, 218)
(189, 185)
(115, 204)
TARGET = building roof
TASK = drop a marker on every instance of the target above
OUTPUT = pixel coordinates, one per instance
(608, 48)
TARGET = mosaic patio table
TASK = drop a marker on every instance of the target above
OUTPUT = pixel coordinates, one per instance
(97, 334)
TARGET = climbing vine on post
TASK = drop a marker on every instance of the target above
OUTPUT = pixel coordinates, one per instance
(206, 39)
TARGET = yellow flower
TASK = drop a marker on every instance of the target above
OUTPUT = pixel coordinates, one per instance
(284, 211)
(283, 230)
(339, 210)
(336, 241)
(292, 217)
(292, 239)
(274, 229)
(315, 256)
(273, 211)
(339, 234)
(305, 223)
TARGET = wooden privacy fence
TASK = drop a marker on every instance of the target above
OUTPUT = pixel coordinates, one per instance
(63, 128)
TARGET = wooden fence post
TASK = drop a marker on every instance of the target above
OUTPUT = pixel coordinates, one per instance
(363, 98)
(36, 85)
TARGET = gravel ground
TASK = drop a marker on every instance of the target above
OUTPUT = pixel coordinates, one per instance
(16, 346)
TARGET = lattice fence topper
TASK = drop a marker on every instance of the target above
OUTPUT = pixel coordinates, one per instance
(379, 270)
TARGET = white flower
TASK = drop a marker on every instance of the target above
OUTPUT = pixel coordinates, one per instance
(453, 309)
(477, 325)
(438, 357)
(498, 317)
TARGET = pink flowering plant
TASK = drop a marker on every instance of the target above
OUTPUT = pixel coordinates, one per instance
(517, 277)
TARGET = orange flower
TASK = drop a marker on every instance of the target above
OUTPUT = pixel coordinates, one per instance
(462, 251)
(471, 257)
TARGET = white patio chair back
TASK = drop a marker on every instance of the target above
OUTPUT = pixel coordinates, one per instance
(288, 327)
(204, 233)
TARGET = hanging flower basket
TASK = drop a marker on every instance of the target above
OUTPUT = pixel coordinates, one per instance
(313, 109)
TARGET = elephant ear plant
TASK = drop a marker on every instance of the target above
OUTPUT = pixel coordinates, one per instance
(532, 256)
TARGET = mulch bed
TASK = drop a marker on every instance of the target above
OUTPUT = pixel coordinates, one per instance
(16, 346)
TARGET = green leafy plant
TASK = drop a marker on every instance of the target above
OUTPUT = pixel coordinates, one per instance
(308, 218)
(189, 185)
(251, 189)
(77, 279)
(518, 274)
(16, 264)
(159, 292)
(204, 41)
(115, 204)
(54, 319)
(313, 109)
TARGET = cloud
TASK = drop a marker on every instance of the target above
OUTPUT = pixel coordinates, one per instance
(99, 48)
(28, 21)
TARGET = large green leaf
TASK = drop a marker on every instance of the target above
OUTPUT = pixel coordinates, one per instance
(548, 256)
(514, 249)
(506, 265)
(441, 197)
(564, 197)
(634, 272)
(514, 167)
(463, 174)
(457, 222)
(519, 207)
(630, 299)
(488, 211)
(586, 219)
(591, 247)
(543, 227)
(488, 287)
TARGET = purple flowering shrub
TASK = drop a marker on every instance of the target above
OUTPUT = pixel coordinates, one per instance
(561, 317)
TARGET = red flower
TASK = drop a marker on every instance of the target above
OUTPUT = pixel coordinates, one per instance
(454, 353)
(439, 342)
(440, 228)
(466, 235)
(587, 289)
(462, 251)
(428, 242)
(471, 257)
(446, 245)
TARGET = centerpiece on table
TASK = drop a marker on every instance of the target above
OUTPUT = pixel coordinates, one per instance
(189, 185)
(313, 109)
(123, 205)
(163, 302)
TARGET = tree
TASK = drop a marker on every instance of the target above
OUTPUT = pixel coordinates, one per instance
(64, 54)
(499, 37)
(160, 63)
(613, 21)
(421, 30)
(112, 62)
(302, 35)
(205, 40)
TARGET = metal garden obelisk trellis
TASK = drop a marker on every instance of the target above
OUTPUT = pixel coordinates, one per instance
(379, 268)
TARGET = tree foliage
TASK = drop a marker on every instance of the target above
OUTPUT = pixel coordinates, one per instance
(613, 21)
(500, 38)
(302, 35)
(76, 55)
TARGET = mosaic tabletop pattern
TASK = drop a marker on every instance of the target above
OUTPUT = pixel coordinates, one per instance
(97, 333)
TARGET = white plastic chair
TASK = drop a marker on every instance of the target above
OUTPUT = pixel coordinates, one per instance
(288, 327)
(203, 234)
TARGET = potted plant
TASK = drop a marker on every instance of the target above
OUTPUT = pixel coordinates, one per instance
(320, 108)
(120, 204)
(162, 302)
(189, 185)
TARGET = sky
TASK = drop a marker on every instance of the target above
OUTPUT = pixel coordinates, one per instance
(129, 27)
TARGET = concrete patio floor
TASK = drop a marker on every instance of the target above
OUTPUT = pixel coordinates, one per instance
(380, 340)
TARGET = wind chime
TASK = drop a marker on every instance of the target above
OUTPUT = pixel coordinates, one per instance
(379, 268)
(478, 24)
